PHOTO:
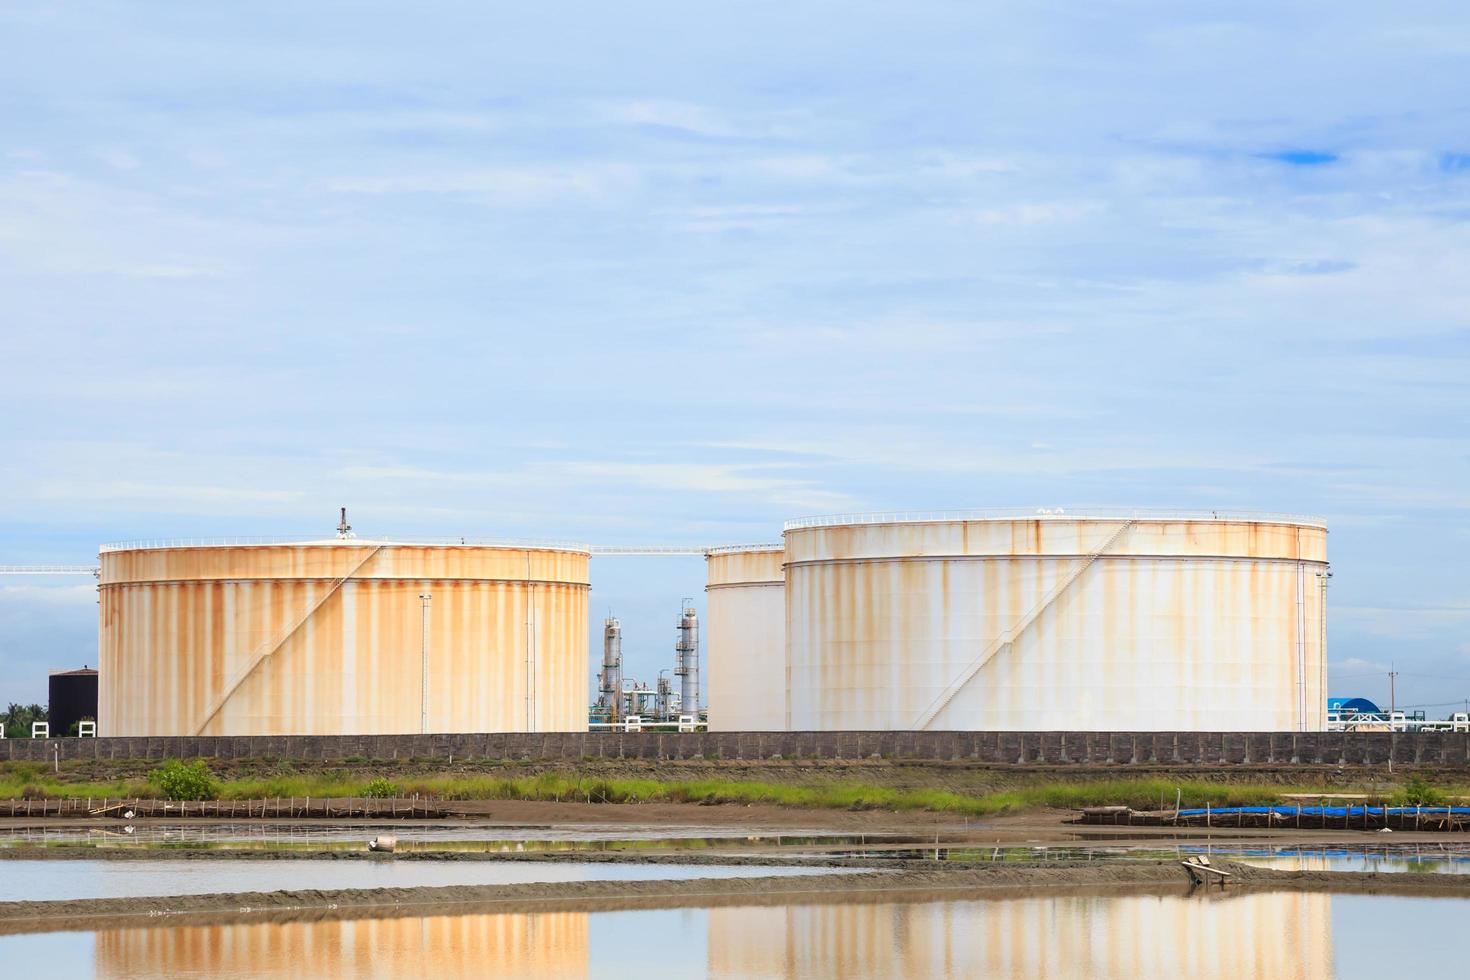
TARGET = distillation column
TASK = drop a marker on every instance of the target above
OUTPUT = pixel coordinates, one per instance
(686, 662)
(610, 681)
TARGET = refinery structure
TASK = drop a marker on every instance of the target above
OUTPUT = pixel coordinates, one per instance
(996, 621)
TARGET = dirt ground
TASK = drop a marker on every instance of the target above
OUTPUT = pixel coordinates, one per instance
(903, 885)
(1041, 826)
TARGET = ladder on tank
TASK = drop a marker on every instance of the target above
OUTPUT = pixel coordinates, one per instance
(1009, 636)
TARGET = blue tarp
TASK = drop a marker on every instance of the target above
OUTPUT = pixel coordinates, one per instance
(1331, 811)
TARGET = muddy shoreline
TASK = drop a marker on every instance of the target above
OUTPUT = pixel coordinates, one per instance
(889, 884)
(1042, 826)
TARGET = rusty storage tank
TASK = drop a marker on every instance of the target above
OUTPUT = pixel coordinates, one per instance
(329, 637)
(746, 638)
(1055, 621)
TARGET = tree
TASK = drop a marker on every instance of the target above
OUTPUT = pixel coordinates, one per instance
(17, 719)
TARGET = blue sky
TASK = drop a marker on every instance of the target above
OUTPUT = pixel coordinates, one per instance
(664, 273)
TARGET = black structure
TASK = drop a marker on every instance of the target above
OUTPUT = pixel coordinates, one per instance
(73, 698)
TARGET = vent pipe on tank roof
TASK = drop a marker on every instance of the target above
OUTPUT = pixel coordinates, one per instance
(344, 530)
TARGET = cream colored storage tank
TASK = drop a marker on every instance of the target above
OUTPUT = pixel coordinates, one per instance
(327, 637)
(1052, 621)
(746, 638)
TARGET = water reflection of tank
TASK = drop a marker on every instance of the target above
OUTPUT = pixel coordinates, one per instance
(549, 944)
(1264, 935)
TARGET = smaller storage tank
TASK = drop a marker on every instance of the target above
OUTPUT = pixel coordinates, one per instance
(342, 637)
(747, 638)
(73, 699)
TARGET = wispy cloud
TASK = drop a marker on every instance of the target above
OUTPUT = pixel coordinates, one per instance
(500, 185)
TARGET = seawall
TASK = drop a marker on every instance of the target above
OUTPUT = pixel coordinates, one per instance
(1437, 749)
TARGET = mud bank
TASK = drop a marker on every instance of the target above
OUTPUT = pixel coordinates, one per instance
(904, 885)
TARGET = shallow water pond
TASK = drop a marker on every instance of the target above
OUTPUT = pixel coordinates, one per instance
(1266, 936)
(446, 836)
(47, 880)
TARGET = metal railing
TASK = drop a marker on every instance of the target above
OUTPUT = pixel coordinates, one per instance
(1052, 513)
(732, 549)
(637, 723)
(48, 569)
(248, 541)
(533, 543)
(647, 549)
(1396, 721)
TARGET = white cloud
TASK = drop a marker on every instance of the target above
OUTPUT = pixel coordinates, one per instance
(672, 114)
(118, 159)
(1357, 665)
(498, 185)
(1036, 213)
(1401, 623)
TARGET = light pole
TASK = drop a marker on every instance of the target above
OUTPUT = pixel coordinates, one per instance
(424, 598)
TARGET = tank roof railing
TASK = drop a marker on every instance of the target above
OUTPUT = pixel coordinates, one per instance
(226, 542)
(732, 549)
(532, 543)
(1052, 513)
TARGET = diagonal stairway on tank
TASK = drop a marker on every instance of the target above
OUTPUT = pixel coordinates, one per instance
(268, 649)
(1009, 636)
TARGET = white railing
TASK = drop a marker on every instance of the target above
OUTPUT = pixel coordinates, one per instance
(1398, 721)
(636, 723)
(1052, 513)
(647, 549)
(732, 549)
(245, 541)
(48, 569)
(533, 543)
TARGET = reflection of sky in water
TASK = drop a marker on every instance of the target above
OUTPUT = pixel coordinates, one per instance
(1443, 864)
(1387, 858)
(1292, 936)
(308, 834)
(44, 880)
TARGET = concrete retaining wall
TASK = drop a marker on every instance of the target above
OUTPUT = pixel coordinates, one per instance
(1441, 749)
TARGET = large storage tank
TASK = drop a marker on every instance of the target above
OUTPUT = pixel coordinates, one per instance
(1080, 622)
(746, 638)
(328, 637)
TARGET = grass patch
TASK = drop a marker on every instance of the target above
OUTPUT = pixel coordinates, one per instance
(17, 782)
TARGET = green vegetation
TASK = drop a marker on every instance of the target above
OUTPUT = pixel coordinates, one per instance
(185, 780)
(16, 719)
(193, 781)
(1418, 792)
(381, 789)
